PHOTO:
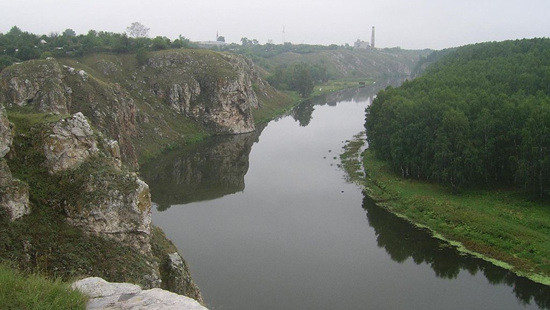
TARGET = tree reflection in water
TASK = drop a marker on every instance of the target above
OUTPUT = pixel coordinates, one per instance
(402, 241)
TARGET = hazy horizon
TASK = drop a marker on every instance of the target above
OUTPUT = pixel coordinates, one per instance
(406, 24)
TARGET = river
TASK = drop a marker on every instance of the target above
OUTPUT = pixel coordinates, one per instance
(268, 221)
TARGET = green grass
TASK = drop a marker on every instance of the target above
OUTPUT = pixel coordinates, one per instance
(501, 226)
(331, 87)
(33, 292)
(274, 104)
(26, 117)
(336, 85)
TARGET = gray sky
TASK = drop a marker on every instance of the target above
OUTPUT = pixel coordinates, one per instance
(410, 24)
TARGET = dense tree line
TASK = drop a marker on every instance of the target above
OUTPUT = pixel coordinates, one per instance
(17, 45)
(299, 77)
(478, 116)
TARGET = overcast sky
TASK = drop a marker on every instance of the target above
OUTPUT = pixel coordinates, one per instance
(409, 24)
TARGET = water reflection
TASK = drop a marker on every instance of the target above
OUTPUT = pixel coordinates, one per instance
(204, 171)
(402, 241)
(217, 166)
(303, 112)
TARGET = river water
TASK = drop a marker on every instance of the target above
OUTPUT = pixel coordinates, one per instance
(268, 221)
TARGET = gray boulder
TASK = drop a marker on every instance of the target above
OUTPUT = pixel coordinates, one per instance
(105, 295)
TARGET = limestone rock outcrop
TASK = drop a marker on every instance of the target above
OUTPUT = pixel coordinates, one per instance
(219, 95)
(6, 133)
(98, 115)
(105, 295)
(51, 87)
(14, 199)
(70, 142)
(215, 90)
(39, 83)
(115, 207)
(181, 95)
(14, 194)
(177, 278)
(112, 203)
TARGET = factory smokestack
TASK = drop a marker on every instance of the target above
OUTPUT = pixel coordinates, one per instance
(372, 38)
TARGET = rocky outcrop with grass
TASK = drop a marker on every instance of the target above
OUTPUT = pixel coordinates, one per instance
(80, 128)
(14, 194)
(142, 105)
(50, 86)
(111, 202)
(213, 89)
(69, 143)
(37, 83)
(76, 178)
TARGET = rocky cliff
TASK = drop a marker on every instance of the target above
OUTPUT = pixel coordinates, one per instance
(50, 86)
(69, 204)
(218, 93)
(170, 97)
(77, 180)
(14, 194)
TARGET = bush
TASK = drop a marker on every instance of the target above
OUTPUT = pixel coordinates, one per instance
(46, 55)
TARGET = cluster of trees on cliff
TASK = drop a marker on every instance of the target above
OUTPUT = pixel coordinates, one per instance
(17, 45)
(479, 116)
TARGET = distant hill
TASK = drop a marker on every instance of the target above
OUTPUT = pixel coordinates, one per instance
(339, 62)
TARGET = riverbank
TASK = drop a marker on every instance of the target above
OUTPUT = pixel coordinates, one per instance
(500, 226)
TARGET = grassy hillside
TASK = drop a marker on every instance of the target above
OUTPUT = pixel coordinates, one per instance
(340, 62)
(345, 63)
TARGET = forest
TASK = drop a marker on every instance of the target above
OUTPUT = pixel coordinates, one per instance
(477, 117)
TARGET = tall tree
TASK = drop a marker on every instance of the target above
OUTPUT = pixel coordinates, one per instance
(69, 33)
(302, 81)
(137, 30)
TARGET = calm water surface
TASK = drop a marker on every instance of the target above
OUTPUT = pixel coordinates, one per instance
(268, 221)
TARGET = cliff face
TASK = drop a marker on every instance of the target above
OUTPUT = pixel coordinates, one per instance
(93, 192)
(78, 125)
(142, 106)
(51, 87)
(213, 90)
(39, 83)
(14, 194)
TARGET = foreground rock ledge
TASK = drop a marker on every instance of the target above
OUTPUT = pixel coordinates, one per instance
(125, 296)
